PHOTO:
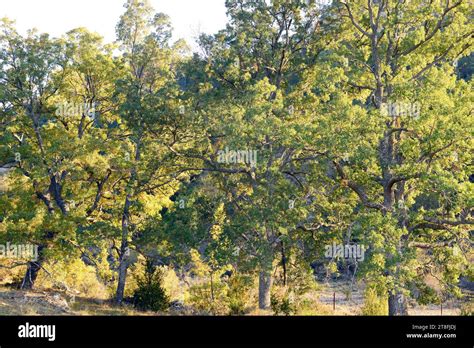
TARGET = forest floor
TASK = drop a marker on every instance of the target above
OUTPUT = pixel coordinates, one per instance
(16, 302)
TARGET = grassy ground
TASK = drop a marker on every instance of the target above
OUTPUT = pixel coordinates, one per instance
(15, 302)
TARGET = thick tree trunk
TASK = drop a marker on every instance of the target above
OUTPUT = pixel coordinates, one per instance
(54, 190)
(397, 305)
(32, 270)
(264, 289)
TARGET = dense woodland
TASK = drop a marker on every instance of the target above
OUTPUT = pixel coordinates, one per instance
(301, 125)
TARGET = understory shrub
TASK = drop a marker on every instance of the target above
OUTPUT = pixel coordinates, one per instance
(150, 294)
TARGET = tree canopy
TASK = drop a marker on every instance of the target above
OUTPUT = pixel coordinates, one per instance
(301, 125)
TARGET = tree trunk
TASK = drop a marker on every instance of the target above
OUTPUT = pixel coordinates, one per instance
(122, 275)
(283, 263)
(124, 248)
(397, 305)
(264, 289)
(266, 268)
(54, 190)
(33, 268)
(124, 251)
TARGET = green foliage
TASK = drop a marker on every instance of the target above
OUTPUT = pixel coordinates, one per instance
(209, 297)
(375, 302)
(239, 294)
(282, 304)
(304, 88)
(232, 296)
(150, 294)
(428, 295)
(75, 277)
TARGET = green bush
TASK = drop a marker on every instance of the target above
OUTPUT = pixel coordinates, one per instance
(282, 305)
(239, 294)
(150, 294)
(375, 303)
(427, 295)
(209, 297)
(223, 297)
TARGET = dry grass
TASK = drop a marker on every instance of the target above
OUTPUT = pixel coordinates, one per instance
(351, 302)
(320, 302)
(16, 302)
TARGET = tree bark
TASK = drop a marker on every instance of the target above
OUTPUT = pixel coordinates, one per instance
(397, 305)
(33, 267)
(124, 248)
(283, 263)
(123, 265)
(123, 268)
(32, 270)
(264, 288)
